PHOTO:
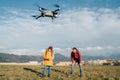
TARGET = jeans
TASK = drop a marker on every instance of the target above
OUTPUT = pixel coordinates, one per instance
(80, 68)
(44, 70)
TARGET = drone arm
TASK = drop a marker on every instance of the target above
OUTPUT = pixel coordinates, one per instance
(38, 17)
(56, 10)
(52, 18)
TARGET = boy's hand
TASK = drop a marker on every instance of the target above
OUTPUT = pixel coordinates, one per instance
(80, 64)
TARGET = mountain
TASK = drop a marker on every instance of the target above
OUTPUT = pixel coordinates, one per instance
(17, 58)
(4, 57)
(59, 57)
(114, 56)
(93, 57)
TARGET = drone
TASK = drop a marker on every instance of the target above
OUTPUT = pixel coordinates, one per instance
(48, 13)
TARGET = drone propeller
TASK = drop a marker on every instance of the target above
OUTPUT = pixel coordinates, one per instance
(57, 10)
(56, 5)
(43, 8)
(40, 7)
(34, 16)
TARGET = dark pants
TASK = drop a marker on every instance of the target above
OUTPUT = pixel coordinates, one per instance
(72, 68)
(46, 68)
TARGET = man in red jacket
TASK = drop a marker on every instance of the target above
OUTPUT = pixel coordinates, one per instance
(76, 58)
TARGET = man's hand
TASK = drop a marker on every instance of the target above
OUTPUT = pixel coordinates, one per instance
(80, 64)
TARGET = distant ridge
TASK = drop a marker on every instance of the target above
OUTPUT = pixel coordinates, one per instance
(17, 58)
(5, 57)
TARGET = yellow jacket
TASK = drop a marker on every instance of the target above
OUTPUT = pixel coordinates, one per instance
(48, 58)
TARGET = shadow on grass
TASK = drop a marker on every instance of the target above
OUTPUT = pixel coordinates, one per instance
(2, 75)
(67, 74)
(32, 70)
(60, 71)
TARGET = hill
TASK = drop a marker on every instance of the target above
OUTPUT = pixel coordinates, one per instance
(114, 56)
(4, 57)
(59, 57)
(17, 58)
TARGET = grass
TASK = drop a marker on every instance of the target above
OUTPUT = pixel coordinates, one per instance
(25, 72)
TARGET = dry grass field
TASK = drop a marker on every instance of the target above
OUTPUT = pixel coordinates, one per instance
(33, 72)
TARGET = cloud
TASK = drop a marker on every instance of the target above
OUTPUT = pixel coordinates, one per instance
(89, 51)
(3, 48)
(92, 48)
(93, 29)
(25, 51)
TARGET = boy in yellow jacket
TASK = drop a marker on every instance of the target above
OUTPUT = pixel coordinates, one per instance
(48, 57)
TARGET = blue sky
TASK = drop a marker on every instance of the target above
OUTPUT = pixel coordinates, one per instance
(28, 4)
(90, 25)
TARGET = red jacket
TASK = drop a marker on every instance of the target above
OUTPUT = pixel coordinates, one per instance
(76, 57)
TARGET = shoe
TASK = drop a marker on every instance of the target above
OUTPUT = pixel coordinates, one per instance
(71, 73)
(43, 76)
(48, 75)
(80, 75)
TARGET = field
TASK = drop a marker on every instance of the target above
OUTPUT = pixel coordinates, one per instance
(33, 72)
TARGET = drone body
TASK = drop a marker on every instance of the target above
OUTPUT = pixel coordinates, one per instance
(48, 13)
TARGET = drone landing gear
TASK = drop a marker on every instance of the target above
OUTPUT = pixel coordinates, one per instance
(52, 18)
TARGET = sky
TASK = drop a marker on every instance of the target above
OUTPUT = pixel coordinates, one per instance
(93, 26)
